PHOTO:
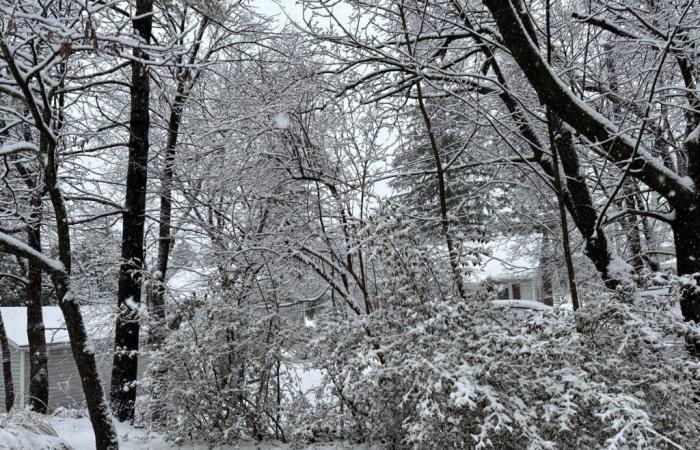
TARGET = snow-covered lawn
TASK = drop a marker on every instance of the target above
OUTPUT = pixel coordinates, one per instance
(78, 434)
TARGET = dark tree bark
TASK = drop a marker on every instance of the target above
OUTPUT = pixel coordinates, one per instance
(582, 209)
(36, 336)
(6, 368)
(165, 239)
(686, 235)
(443, 193)
(546, 267)
(126, 339)
(559, 188)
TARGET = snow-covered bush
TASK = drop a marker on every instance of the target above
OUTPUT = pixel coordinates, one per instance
(429, 371)
(221, 375)
(461, 375)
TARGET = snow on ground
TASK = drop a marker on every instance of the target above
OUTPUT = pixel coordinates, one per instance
(78, 434)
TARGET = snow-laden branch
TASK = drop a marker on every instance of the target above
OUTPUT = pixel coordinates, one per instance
(11, 149)
(8, 244)
(619, 147)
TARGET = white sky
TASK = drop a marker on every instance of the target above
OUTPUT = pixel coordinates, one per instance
(281, 9)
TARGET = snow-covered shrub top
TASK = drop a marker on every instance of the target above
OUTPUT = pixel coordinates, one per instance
(465, 375)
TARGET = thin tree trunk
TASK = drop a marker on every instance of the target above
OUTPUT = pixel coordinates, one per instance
(165, 236)
(36, 336)
(634, 237)
(453, 254)
(546, 264)
(559, 188)
(6, 368)
(165, 239)
(126, 339)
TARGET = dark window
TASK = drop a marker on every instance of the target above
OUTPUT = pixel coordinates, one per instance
(516, 291)
(503, 293)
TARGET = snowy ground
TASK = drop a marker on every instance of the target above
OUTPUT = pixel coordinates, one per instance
(78, 434)
(27, 430)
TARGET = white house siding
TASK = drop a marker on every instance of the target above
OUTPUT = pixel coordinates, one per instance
(64, 382)
(65, 389)
(527, 290)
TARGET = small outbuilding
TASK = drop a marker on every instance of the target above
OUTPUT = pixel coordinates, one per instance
(65, 389)
(513, 269)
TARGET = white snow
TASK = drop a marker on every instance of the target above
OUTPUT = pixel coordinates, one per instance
(187, 280)
(280, 121)
(9, 149)
(520, 304)
(78, 434)
(618, 268)
(24, 430)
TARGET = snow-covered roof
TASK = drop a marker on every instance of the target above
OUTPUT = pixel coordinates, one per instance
(98, 322)
(510, 260)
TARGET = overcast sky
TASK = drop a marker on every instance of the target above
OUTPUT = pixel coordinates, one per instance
(281, 9)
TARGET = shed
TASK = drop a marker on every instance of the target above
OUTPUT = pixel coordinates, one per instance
(65, 389)
(514, 268)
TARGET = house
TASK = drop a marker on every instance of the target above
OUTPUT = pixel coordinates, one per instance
(65, 389)
(512, 269)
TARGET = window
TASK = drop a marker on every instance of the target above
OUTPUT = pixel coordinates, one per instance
(516, 291)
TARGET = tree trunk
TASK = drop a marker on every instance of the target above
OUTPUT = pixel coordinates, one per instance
(6, 368)
(126, 340)
(165, 239)
(582, 209)
(686, 236)
(546, 262)
(38, 368)
(453, 253)
(36, 336)
(634, 237)
(84, 355)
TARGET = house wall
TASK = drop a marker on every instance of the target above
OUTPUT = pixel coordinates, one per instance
(65, 389)
(15, 359)
(527, 290)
